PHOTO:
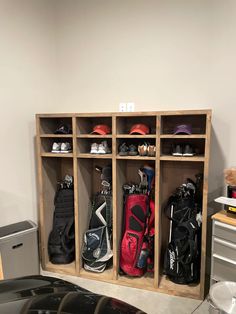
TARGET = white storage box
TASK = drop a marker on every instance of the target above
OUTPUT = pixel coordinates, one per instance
(19, 250)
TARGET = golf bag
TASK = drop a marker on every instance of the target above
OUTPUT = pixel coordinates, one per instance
(97, 248)
(182, 256)
(61, 242)
(137, 245)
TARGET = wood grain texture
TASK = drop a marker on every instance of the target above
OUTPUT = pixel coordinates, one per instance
(225, 217)
(42, 240)
(157, 244)
(182, 158)
(1, 268)
(204, 206)
(76, 202)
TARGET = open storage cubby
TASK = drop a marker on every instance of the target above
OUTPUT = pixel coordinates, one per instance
(89, 183)
(85, 125)
(135, 141)
(170, 172)
(197, 122)
(84, 145)
(171, 177)
(53, 171)
(47, 144)
(197, 144)
(124, 124)
(48, 125)
(127, 172)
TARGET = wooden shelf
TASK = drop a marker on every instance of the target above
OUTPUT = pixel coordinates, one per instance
(183, 136)
(182, 158)
(57, 135)
(62, 268)
(146, 281)
(135, 136)
(135, 157)
(94, 136)
(99, 156)
(190, 291)
(107, 275)
(61, 155)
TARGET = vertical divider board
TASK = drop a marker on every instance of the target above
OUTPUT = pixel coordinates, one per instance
(157, 205)
(204, 205)
(40, 195)
(86, 183)
(114, 200)
(76, 203)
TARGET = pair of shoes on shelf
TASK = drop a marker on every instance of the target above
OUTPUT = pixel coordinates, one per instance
(100, 148)
(183, 150)
(61, 147)
(147, 150)
(125, 150)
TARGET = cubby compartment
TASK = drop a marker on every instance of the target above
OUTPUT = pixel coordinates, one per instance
(53, 171)
(127, 172)
(89, 184)
(198, 146)
(172, 175)
(151, 154)
(85, 125)
(48, 125)
(196, 121)
(84, 147)
(47, 144)
(124, 124)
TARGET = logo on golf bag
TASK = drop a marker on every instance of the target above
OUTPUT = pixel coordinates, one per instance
(97, 250)
(137, 245)
(182, 256)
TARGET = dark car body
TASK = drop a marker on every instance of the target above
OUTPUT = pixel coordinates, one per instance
(48, 295)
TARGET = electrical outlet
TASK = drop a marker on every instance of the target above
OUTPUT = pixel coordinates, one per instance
(130, 106)
(123, 107)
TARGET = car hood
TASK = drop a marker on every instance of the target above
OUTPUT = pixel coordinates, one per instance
(48, 295)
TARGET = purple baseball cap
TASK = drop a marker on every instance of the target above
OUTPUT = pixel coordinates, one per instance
(183, 129)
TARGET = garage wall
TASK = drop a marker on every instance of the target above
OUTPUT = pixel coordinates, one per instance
(77, 56)
(27, 86)
(158, 54)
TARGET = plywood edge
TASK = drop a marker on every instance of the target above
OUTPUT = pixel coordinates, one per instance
(124, 114)
(55, 115)
(1, 268)
(225, 217)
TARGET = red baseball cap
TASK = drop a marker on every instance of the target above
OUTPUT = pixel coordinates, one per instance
(101, 129)
(140, 129)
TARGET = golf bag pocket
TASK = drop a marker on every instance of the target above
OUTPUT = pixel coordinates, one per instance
(136, 211)
(97, 250)
(182, 257)
(61, 241)
(93, 239)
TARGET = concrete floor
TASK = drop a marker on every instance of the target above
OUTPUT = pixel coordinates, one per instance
(149, 302)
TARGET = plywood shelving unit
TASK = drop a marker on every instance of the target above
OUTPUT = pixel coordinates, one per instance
(170, 173)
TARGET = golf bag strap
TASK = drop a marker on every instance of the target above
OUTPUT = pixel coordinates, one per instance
(66, 236)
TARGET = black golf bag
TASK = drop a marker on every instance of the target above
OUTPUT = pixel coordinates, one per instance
(182, 256)
(61, 242)
(97, 246)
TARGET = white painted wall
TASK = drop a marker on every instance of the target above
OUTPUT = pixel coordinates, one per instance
(172, 54)
(27, 86)
(77, 56)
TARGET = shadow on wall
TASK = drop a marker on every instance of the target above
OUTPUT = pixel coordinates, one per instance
(216, 189)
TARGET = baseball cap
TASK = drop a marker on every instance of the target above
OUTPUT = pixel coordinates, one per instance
(63, 129)
(183, 129)
(101, 129)
(140, 129)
